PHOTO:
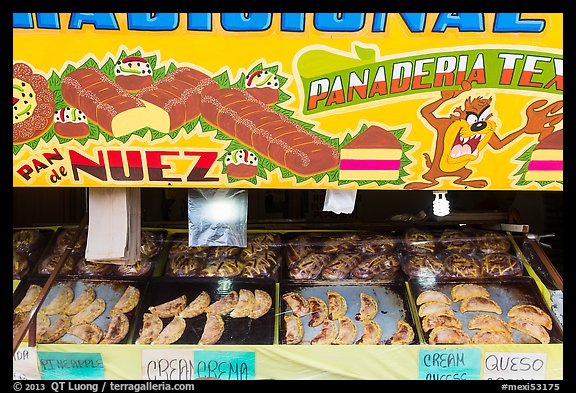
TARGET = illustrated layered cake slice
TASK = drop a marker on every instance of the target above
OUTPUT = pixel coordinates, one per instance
(372, 155)
(547, 162)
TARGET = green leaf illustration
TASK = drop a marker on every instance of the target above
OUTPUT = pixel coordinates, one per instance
(90, 63)
(54, 82)
(152, 61)
(158, 73)
(108, 69)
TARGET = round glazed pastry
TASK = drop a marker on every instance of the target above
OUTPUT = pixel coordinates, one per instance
(241, 164)
(184, 265)
(133, 73)
(151, 243)
(71, 123)
(419, 242)
(462, 265)
(500, 264)
(87, 268)
(65, 238)
(263, 85)
(456, 241)
(376, 244)
(19, 264)
(375, 266)
(490, 242)
(25, 240)
(142, 267)
(423, 265)
(47, 265)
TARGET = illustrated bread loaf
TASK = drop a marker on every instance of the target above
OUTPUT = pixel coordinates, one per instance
(239, 115)
(109, 105)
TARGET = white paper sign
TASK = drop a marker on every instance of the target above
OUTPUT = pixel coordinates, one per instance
(518, 366)
(25, 364)
(168, 364)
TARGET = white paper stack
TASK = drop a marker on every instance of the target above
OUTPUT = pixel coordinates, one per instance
(114, 225)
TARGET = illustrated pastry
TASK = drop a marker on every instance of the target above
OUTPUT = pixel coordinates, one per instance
(87, 268)
(337, 305)
(318, 311)
(340, 267)
(419, 241)
(224, 305)
(547, 159)
(196, 306)
(490, 322)
(371, 333)
(89, 333)
(57, 329)
(49, 263)
(150, 243)
(133, 73)
(19, 264)
(171, 332)
(456, 241)
(463, 291)
(59, 302)
(480, 303)
(490, 242)
(328, 333)
(433, 307)
(368, 307)
(213, 329)
(310, 267)
(241, 164)
(296, 303)
(530, 328)
(490, 337)
(375, 266)
(430, 295)
(423, 265)
(263, 85)
(433, 321)
(404, 334)
(90, 313)
(128, 301)
(501, 264)
(377, 244)
(170, 308)
(32, 104)
(117, 328)
(29, 299)
(70, 123)
(184, 265)
(531, 313)
(262, 303)
(448, 335)
(152, 325)
(245, 304)
(294, 329)
(141, 267)
(65, 240)
(25, 240)
(347, 331)
(461, 265)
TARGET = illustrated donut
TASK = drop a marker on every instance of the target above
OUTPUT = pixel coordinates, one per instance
(71, 123)
(133, 73)
(263, 85)
(241, 164)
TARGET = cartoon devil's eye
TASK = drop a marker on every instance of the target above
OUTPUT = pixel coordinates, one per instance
(483, 116)
(471, 118)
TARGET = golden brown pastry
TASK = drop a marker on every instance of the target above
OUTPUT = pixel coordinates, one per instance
(246, 300)
(339, 243)
(59, 302)
(462, 291)
(337, 305)
(310, 267)
(224, 268)
(262, 264)
(150, 243)
(433, 321)
(492, 242)
(347, 332)
(48, 264)
(184, 265)
(480, 303)
(90, 313)
(530, 328)
(87, 268)
(297, 303)
(404, 334)
(170, 308)
(81, 301)
(375, 266)
(294, 329)
(501, 264)
(430, 308)
(117, 328)
(368, 307)
(196, 306)
(29, 298)
(171, 332)
(128, 301)
(430, 295)
(42, 323)
(327, 335)
(491, 337)
(224, 305)
(448, 335)
(371, 333)
(25, 240)
(461, 265)
(152, 325)
(340, 266)
(57, 329)
(296, 252)
(141, 267)
(262, 303)
(64, 241)
(89, 333)
(20, 264)
(419, 241)
(213, 329)
(318, 311)
(456, 241)
(490, 322)
(18, 320)
(223, 252)
(531, 313)
(377, 244)
(423, 265)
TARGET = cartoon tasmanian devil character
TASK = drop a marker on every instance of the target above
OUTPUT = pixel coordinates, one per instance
(463, 134)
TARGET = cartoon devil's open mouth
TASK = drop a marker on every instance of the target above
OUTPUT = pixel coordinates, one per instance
(466, 145)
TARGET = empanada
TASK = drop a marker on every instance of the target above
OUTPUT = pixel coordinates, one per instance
(169, 309)
(262, 303)
(59, 302)
(29, 299)
(81, 301)
(224, 305)
(213, 329)
(337, 305)
(432, 296)
(128, 301)
(294, 329)
(448, 335)
(90, 313)
(531, 313)
(245, 304)
(152, 325)
(117, 329)
(433, 321)
(171, 332)
(297, 303)
(368, 307)
(347, 332)
(530, 328)
(55, 331)
(318, 311)
(430, 308)
(196, 306)
(404, 334)
(490, 322)
(371, 333)
(491, 337)
(480, 303)
(89, 333)
(463, 291)
(327, 335)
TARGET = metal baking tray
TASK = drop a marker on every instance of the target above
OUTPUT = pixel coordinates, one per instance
(392, 298)
(109, 290)
(236, 330)
(507, 292)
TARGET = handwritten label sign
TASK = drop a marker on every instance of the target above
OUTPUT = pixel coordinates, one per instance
(168, 364)
(449, 364)
(25, 363)
(509, 365)
(228, 365)
(71, 365)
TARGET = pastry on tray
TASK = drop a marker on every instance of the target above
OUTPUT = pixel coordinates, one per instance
(371, 333)
(318, 311)
(531, 313)
(152, 325)
(492, 242)
(87, 268)
(375, 265)
(81, 301)
(297, 303)
(463, 291)
(150, 243)
(456, 241)
(243, 308)
(262, 303)
(29, 298)
(90, 313)
(170, 308)
(480, 303)
(128, 301)
(430, 295)
(117, 328)
(347, 331)
(404, 334)
(294, 329)
(501, 264)
(309, 267)
(57, 329)
(377, 244)
(337, 305)
(328, 333)
(224, 305)
(25, 240)
(368, 307)
(448, 335)
(140, 268)
(339, 267)
(65, 238)
(49, 263)
(171, 332)
(196, 306)
(59, 302)
(89, 333)
(530, 328)
(489, 322)
(461, 265)
(434, 307)
(213, 329)
(19, 264)
(419, 241)
(423, 265)
(491, 337)
(433, 321)
(184, 265)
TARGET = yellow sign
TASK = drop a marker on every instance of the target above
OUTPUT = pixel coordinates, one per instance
(292, 100)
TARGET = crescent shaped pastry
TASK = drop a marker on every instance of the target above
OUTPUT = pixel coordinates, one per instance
(90, 313)
(327, 334)
(151, 327)
(430, 308)
(404, 334)
(29, 298)
(42, 323)
(224, 305)
(368, 307)
(448, 335)
(59, 303)
(294, 329)
(490, 322)
(171, 332)
(318, 311)
(169, 309)
(117, 329)
(213, 329)
(56, 330)
(530, 328)
(89, 333)
(81, 301)
(128, 301)
(347, 332)
(337, 305)
(433, 321)
(371, 334)
(196, 306)
(463, 291)
(297, 303)
(531, 313)
(432, 296)
(246, 300)
(262, 303)
(480, 303)
(491, 337)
